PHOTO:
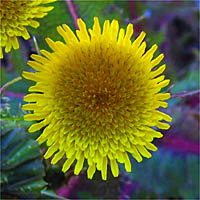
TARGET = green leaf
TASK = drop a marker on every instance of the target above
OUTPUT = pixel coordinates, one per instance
(22, 170)
(26, 171)
(24, 151)
(7, 139)
(27, 187)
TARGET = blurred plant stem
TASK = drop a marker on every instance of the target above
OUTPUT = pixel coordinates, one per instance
(3, 88)
(36, 45)
(185, 94)
(51, 194)
(73, 12)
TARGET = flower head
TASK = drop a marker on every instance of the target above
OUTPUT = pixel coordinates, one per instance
(15, 15)
(97, 97)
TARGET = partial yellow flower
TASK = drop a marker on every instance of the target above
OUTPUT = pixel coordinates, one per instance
(15, 15)
(97, 97)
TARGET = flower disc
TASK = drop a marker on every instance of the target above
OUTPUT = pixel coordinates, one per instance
(97, 97)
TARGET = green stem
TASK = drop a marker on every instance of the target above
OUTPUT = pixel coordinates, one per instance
(3, 88)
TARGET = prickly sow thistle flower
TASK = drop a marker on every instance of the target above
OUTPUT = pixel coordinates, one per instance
(14, 16)
(97, 97)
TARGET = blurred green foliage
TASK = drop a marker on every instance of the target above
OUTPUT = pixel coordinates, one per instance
(167, 174)
(101, 9)
(22, 170)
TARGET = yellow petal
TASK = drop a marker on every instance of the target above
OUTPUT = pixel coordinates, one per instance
(51, 151)
(32, 117)
(41, 139)
(163, 116)
(163, 104)
(141, 50)
(153, 132)
(36, 127)
(163, 83)
(1, 53)
(136, 154)
(31, 76)
(129, 33)
(15, 43)
(29, 106)
(35, 65)
(143, 151)
(79, 165)
(8, 45)
(70, 33)
(104, 168)
(63, 34)
(83, 34)
(106, 27)
(163, 125)
(96, 26)
(36, 88)
(34, 24)
(114, 168)
(121, 35)
(99, 161)
(33, 97)
(51, 44)
(57, 157)
(114, 29)
(46, 54)
(150, 52)
(127, 162)
(91, 170)
(157, 60)
(68, 164)
(151, 146)
(25, 34)
(163, 96)
(138, 40)
(158, 71)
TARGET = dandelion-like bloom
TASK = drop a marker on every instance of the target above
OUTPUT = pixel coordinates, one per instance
(97, 97)
(14, 16)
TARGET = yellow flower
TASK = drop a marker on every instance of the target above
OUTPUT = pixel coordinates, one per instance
(97, 97)
(15, 15)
